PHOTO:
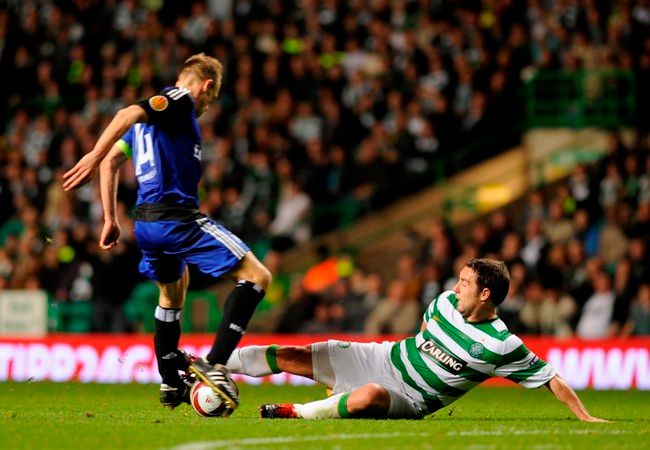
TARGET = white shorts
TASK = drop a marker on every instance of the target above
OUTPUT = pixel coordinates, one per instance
(346, 366)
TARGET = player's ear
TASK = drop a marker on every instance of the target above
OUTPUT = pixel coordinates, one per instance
(208, 85)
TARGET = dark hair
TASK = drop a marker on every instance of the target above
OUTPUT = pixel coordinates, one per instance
(493, 275)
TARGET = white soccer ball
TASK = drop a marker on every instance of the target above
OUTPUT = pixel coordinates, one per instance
(206, 402)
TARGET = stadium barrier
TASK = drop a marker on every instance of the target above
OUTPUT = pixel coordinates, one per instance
(121, 358)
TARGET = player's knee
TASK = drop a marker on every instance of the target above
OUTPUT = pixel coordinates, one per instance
(372, 400)
(264, 277)
(260, 276)
(377, 394)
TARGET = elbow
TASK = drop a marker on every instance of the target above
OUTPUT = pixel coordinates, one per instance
(106, 166)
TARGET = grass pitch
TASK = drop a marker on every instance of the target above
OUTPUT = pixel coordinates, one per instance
(90, 416)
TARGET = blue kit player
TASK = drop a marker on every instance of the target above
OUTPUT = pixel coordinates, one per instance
(162, 136)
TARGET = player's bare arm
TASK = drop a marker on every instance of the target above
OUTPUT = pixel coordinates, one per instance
(108, 177)
(564, 393)
(83, 171)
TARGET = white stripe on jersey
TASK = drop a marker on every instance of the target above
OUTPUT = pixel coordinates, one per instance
(474, 363)
(455, 317)
(177, 93)
(222, 237)
(419, 380)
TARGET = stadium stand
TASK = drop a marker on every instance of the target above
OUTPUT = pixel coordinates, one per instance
(325, 106)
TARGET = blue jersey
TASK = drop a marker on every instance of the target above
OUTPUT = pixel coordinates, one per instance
(169, 229)
(166, 149)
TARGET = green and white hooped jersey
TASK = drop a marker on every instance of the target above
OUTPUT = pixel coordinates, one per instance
(452, 356)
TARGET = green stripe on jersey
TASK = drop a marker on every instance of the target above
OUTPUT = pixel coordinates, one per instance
(452, 299)
(516, 355)
(433, 380)
(467, 372)
(488, 328)
(126, 148)
(462, 339)
(433, 403)
(524, 374)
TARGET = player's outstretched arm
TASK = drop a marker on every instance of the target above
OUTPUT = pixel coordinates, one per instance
(108, 177)
(564, 393)
(82, 172)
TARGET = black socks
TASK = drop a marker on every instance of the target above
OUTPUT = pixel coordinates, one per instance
(166, 339)
(237, 311)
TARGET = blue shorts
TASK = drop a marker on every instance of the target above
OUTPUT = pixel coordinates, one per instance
(168, 246)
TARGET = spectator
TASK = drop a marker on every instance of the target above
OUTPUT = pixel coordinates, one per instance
(596, 316)
(396, 313)
(638, 323)
(291, 223)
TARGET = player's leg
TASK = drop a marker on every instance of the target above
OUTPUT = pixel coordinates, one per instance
(252, 279)
(363, 385)
(262, 360)
(171, 299)
(171, 275)
(370, 401)
(216, 251)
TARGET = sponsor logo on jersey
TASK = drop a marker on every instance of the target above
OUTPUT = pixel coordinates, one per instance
(344, 344)
(158, 102)
(448, 361)
(476, 349)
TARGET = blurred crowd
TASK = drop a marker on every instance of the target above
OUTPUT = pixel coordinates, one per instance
(324, 105)
(577, 252)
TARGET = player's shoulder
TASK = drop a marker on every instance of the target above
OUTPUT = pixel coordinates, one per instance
(498, 331)
(177, 93)
(501, 331)
(170, 98)
(448, 296)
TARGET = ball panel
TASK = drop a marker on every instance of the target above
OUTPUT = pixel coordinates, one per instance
(206, 402)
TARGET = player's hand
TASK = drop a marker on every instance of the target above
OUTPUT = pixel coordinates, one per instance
(81, 173)
(595, 420)
(110, 235)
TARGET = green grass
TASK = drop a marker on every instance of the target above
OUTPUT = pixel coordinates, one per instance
(78, 416)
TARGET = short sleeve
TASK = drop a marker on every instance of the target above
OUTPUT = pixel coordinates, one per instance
(170, 109)
(524, 367)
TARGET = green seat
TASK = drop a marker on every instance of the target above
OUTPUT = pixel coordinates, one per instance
(70, 317)
(201, 312)
(140, 306)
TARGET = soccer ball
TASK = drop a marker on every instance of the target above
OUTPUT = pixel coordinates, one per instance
(206, 402)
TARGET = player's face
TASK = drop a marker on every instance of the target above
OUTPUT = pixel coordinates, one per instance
(206, 97)
(467, 292)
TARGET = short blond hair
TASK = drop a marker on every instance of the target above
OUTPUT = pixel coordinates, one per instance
(203, 67)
